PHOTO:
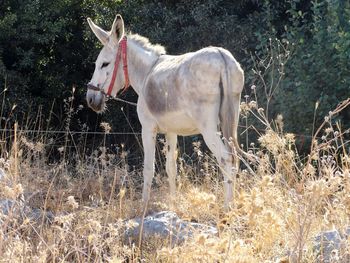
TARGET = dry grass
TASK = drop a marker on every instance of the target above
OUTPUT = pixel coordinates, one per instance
(280, 204)
(279, 207)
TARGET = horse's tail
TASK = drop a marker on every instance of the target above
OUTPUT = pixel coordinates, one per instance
(231, 86)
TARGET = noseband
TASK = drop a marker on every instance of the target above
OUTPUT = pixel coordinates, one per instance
(121, 54)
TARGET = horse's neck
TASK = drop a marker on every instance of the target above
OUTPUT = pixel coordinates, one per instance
(140, 63)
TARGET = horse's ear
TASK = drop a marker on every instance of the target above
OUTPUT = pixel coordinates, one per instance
(99, 32)
(117, 31)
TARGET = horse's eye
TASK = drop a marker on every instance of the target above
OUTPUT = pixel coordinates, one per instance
(105, 64)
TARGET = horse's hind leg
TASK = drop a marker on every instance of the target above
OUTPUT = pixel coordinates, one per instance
(224, 158)
(171, 169)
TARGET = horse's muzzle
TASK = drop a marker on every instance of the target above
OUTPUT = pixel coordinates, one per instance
(95, 101)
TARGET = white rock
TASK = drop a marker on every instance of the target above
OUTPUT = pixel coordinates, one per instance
(329, 246)
(166, 225)
(2, 174)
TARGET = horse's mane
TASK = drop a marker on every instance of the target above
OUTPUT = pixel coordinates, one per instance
(144, 42)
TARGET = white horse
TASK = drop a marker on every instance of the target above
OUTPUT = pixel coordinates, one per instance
(177, 95)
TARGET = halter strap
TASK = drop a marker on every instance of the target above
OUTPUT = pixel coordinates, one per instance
(121, 54)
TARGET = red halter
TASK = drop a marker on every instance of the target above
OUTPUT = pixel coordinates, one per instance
(121, 53)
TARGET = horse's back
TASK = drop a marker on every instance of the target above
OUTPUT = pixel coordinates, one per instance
(187, 83)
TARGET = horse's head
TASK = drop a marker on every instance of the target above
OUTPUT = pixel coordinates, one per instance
(104, 65)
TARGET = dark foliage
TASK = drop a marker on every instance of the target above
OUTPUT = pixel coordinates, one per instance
(46, 49)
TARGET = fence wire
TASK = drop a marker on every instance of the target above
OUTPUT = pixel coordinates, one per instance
(70, 132)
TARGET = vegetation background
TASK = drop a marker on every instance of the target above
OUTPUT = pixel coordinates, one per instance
(71, 180)
(47, 48)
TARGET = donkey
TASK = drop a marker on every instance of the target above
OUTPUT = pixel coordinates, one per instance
(197, 92)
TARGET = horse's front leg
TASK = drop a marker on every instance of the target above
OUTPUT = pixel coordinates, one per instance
(148, 141)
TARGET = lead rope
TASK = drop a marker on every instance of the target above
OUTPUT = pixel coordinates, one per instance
(125, 101)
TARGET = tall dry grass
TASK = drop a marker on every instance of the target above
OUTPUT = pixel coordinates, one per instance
(280, 205)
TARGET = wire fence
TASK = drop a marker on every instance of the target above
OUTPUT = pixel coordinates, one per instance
(70, 132)
(82, 142)
(85, 143)
(113, 142)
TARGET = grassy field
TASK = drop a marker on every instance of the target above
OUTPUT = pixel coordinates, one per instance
(280, 204)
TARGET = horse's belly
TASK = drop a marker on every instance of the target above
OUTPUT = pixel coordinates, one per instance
(178, 123)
